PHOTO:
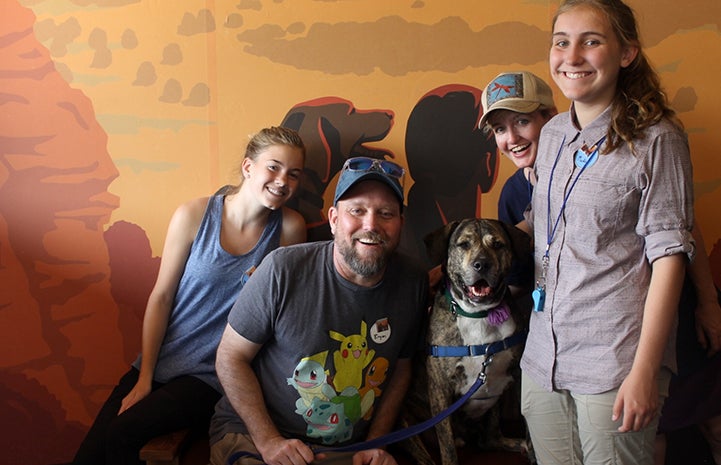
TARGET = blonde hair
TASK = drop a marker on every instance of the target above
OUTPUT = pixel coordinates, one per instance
(261, 141)
(274, 135)
(639, 102)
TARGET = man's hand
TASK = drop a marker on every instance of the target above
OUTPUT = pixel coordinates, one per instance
(281, 451)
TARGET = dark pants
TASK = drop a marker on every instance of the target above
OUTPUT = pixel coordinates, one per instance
(695, 392)
(184, 402)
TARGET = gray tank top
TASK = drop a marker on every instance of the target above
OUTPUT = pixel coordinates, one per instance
(207, 290)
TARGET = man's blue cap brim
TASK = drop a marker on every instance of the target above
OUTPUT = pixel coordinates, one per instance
(349, 178)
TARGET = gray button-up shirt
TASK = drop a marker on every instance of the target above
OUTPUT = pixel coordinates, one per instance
(625, 211)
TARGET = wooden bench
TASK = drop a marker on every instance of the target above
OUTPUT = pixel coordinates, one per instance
(176, 448)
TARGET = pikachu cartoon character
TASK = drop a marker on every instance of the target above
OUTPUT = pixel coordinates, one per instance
(351, 358)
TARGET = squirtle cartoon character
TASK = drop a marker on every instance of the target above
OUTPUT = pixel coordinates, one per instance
(351, 358)
(310, 380)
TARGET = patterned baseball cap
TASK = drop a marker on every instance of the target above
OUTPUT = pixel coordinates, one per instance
(520, 91)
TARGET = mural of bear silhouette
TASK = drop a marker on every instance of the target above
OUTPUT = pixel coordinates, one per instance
(452, 162)
(333, 130)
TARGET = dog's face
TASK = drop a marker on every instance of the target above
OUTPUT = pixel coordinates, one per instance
(477, 254)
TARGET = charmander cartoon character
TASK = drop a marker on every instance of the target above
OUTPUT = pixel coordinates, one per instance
(375, 375)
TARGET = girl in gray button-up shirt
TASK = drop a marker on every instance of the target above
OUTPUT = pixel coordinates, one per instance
(612, 214)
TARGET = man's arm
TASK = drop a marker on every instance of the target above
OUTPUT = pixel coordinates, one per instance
(233, 364)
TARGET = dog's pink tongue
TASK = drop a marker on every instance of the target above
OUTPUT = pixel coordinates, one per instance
(480, 291)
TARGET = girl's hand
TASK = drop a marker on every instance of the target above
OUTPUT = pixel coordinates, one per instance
(138, 393)
(636, 402)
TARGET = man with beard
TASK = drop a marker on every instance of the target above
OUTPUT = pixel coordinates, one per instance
(317, 350)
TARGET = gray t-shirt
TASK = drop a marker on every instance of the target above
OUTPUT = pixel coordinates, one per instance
(329, 346)
(625, 211)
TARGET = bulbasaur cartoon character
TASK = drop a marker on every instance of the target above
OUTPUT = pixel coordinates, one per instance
(328, 421)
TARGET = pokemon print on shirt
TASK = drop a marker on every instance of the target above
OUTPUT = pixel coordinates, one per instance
(331, 404)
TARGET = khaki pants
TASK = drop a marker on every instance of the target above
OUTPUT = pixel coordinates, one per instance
(575, 429)
(233, 442)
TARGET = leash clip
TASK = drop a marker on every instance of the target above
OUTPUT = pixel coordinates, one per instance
(486, 362)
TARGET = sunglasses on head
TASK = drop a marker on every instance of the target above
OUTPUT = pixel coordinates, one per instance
(374, 164)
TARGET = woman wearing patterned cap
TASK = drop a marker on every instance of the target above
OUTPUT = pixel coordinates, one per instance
(516, 105)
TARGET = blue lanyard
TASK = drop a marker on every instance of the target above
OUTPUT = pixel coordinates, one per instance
(585, 156)
(551, 232)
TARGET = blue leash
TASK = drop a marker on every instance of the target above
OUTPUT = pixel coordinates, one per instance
(395, 436)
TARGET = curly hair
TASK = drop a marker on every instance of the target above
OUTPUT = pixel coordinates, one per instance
(639, 101)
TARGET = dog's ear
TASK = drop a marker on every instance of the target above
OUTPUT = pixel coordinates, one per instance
(437, 243)
(521, 243)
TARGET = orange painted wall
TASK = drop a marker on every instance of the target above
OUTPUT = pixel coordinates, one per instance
(113, 112)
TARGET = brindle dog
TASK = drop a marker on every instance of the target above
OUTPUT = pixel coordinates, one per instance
(473, 316)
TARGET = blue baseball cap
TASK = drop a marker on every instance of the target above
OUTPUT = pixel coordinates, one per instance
(359, 169)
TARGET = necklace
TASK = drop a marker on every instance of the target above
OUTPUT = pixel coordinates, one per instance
(583, 158)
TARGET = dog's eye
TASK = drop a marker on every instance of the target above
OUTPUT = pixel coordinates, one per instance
(493, 242)
(464, 245)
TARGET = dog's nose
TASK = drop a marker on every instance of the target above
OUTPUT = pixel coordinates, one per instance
(481, 265)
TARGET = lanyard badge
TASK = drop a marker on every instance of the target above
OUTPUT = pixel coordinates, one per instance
(539, 293)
